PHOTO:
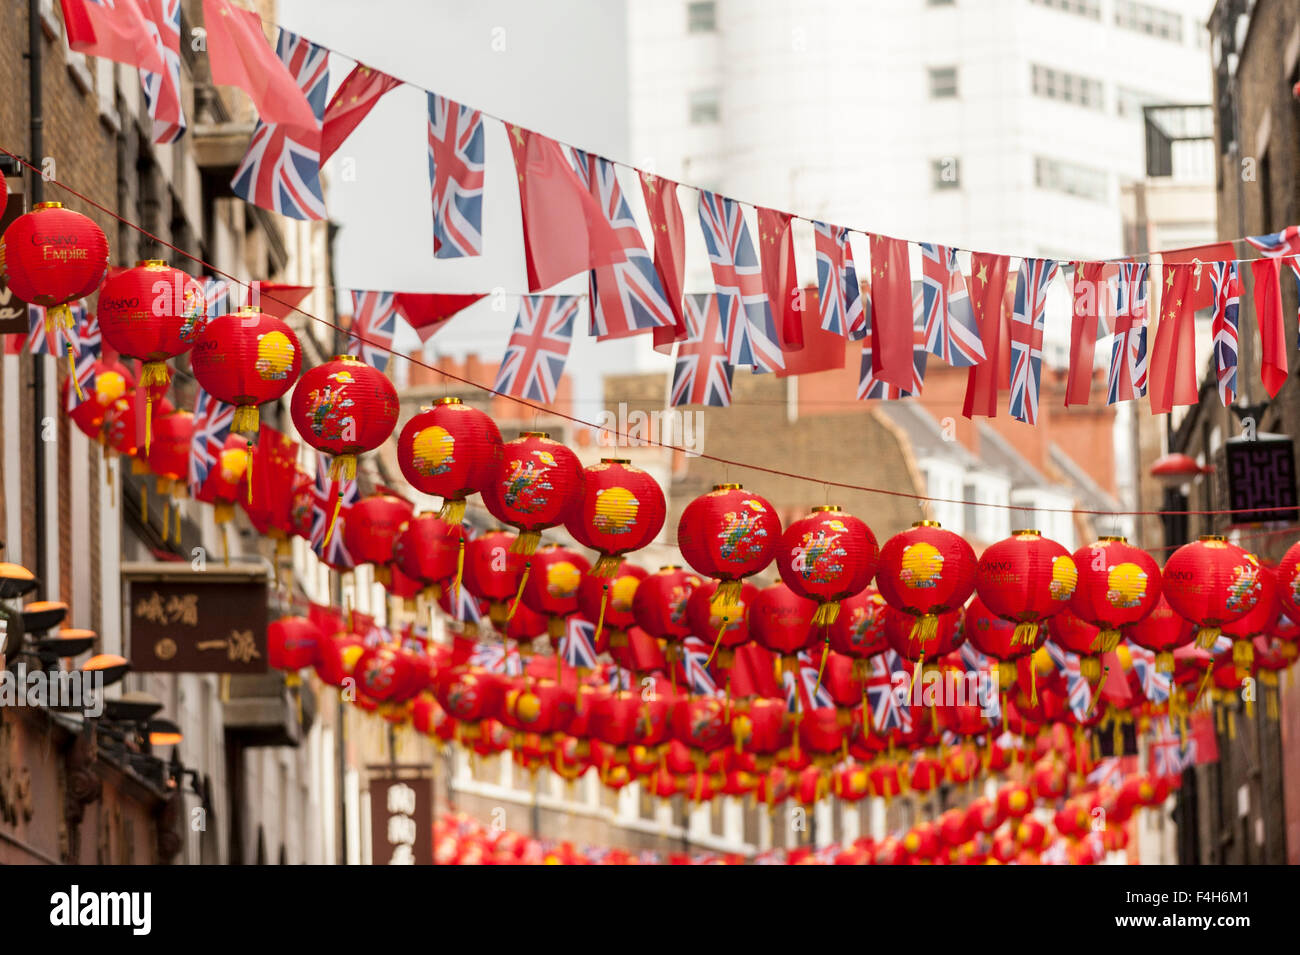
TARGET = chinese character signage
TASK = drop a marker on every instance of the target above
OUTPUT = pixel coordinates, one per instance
(1260, 479)
(200, 622)
(401, 821)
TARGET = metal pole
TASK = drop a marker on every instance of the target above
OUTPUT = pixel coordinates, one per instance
(1227, 40)
(37, 146)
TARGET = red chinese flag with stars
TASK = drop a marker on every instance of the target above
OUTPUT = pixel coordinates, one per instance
(1272, 332)
(565, 231)
(1172, 373)
(1202, 294)
(669, 229)
(120, 32)
(351, 103)
(987, 287)
(776, 255)
(891, 312)
(1090, 301)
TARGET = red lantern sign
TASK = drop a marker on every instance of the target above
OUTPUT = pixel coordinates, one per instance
(450, 450)
(53, 256)
(618, 509)
(533, 486)
(729, 534)
(246, 359)
(1025, 578)
(1211, 582)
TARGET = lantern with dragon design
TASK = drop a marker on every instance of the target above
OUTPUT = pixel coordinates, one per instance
(728, 534)
(533, 487)
(1211, 582)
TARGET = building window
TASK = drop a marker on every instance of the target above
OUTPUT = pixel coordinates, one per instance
(1084, 8)
(704, 107)
(702, 17)
(1153, 21)
(945, 173)
(943, 82)
(1067, 87)
(1072, 179)
(1129, 102)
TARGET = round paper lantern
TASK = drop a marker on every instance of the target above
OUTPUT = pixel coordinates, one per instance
(782, 621)
(727, 627)
(728, 534)
(169, 459)
(246, 359)
(533, 486)
(608, 601)
(1257, 621)
(552, 585)
(1288, 581)
(430, 550)
(1211, 582)
(1118, 585)
(926, 571)
(659, 604)
(618, 509)
(1162, 631)
(1025, 578)
(493, 572)
(112, 381)
(53, 256)
(904, 637)
(291, 643)
(859, 628)
(344, 408)
(450, 450)
(827, 557)
(372, 527)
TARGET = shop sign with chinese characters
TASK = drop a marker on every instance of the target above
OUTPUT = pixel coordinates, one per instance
(401, 814)
(181, 621)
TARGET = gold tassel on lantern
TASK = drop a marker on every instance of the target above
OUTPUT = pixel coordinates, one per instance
(606, 565)
(343, 467)
(727, 595)
(523, 581)
(453, 511)
(1025, 633)
(58, 316)
(526, 543)
(72, 373)
(821, 667)
(1206, 636)
(925, 629)
(246, 421)
(460, 571)
(600, 619)
(1243, 656)
(1106, 641)
(826, 614)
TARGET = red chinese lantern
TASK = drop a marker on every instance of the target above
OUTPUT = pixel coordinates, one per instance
(728, 534)
(431, 551)
(618, 509)
(782, 621)
(291, 643)
(150, 312)
(533, 486)
(827, 557)
(112, 381)
(372, 528)
(926, 571)
(608, 601)
(344, 408)
(1025, 578)
(246, 359)
(1257, 621)
(1288, 581)
(659, 604)
(494, 572)
(1162, 631)
(552, 585)
(51, 257)
(1211, 582)
(301, 504)
(728, 626)
(1118, 585)
(859, 628)
(906, 640)
(450, 450)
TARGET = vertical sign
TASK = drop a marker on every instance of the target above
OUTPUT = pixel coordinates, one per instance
(401, 821)
(13, 310)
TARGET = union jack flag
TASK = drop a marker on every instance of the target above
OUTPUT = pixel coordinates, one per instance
(1167, 753)
(39, 338)
(374, 326)
(869, 386)
(1128, 362)
(1078, 691)
(1277, 244)
(534, 361)
(216, 296)
(1154, 683)
(800, 695)
(1108, 772)
(578, 645)
(1227, 298)
(212, 421)
(738, 278)
(950, 328)
(162, 91)
(1131, 291)
(1027, 323)
(985, 688)
(620, 678)
(691, 666)
(278, 172)
(889, 707)
(838, 292)
(456, 178)
(702, 374)
(627, 297)
(497, 658)
(90, 347)
(323, 508)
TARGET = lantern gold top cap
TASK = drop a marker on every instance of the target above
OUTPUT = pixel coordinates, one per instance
(1113, 539)
(1027, 532)
(726, 487)
(1212, 537)
(449, 400)
(47, 205)
(670, 567)
(535, 434)
(151, 264)
(348, 358)
(247, 310)
(615, 460)
(825, 508)
(926, 524)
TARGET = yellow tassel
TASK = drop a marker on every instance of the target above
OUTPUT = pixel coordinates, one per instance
(178, 522)
(453, 511)
(225, 546)
(600, 620)
(460, 571)
(826, 650)
(1232, 725)
(1106, 641)
(72, 373)
(1033, 677)
(606, 566)
(167, 519)
(526, 543)
(57, 315)
(1096, 691)
(916, 673)
(246, 420)
(1205, 680)
(329, 531)
(1025, 633)
(523, 580)
(1206, 636)
(727, 595)
(826, 614)
(722, 628)
(148, 421)
(925, 629)
(248, 470)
